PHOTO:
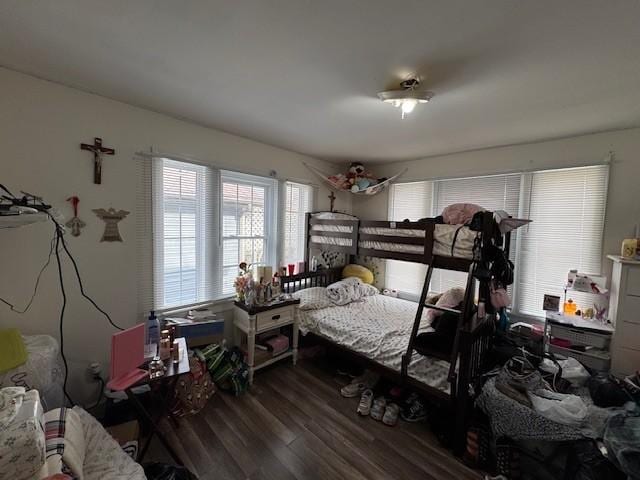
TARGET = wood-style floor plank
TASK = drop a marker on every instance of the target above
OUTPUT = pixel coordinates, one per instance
(294, 425)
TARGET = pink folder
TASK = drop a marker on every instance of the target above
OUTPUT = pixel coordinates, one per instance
(127, 354)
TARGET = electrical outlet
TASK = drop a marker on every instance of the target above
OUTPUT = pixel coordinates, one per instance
(94, 369)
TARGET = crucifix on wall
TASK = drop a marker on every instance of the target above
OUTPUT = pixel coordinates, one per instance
(98, 150)
(332, 199)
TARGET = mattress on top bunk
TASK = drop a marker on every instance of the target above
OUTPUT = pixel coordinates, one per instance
(444, 236)
(379, 328)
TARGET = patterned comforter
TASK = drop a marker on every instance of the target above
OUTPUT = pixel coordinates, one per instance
(378, 327)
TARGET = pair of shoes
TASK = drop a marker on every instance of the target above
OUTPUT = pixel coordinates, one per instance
(358, 385)
(380, 410)
(414, 410)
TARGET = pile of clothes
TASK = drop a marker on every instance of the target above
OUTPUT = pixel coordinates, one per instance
(524, 405)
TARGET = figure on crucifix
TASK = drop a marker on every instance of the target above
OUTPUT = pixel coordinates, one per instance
(98, 150)
(332, 199)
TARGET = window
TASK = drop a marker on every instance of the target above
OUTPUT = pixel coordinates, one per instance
(184, 232)
(248, 223)
(298, 201)
(408, 201)
(496, 192)
(567, 208)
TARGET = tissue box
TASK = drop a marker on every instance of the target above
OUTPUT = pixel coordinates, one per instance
(22, 442)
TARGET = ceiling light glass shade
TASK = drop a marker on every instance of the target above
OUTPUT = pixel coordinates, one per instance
(406, 99)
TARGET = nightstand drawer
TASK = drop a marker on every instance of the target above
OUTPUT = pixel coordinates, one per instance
(273, 318)
(633, 282)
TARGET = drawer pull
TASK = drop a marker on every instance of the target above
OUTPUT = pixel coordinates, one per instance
(275, 317)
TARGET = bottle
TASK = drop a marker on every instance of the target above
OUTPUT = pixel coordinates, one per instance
(569, 308)
(153, 329)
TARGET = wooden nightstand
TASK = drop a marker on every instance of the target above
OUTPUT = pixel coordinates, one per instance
(261, 318)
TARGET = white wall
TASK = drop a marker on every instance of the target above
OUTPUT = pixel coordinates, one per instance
(41, 127)
(623, 204)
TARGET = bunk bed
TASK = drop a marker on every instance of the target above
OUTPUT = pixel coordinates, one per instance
(427, 241)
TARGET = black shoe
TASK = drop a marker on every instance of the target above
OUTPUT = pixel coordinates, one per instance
(415, 410)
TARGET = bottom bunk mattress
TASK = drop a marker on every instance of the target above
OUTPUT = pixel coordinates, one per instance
(378, 327)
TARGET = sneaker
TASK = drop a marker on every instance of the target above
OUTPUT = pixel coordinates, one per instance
(358, 385)
(364, 407)
(415, 410)
(377, 410)
(391, 414)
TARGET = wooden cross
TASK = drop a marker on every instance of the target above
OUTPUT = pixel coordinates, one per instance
(332, 198)
(98, 150)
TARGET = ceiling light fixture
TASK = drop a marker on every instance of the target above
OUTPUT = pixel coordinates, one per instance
(407, 97)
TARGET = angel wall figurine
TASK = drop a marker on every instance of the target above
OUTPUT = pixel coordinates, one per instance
(111, 217)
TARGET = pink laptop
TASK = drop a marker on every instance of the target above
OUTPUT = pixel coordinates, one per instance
(127, 354)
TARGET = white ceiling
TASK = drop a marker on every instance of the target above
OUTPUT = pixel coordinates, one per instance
(303, 74)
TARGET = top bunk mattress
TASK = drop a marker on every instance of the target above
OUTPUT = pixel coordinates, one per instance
(443, 241)
(379, 327)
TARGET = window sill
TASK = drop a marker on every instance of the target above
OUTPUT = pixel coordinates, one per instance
(215, 304)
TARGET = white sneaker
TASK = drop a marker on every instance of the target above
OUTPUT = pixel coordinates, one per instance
(364, 407)
(359, 384)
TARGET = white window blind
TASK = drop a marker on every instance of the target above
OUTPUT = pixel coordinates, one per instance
(567, 208)
(185, 233)
(496, 192)
(248, 223)
(408, 201)
(298, 201)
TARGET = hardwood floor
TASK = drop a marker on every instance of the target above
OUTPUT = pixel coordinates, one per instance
(294, 424)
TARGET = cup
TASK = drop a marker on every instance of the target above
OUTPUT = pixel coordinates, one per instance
(291, 267)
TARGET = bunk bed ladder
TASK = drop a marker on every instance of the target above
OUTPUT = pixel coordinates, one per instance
(462, 316)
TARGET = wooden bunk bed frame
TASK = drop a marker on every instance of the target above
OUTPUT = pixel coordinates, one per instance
(473, 341)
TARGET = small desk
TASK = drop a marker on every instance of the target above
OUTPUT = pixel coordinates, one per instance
(262, 318)
(170, 378)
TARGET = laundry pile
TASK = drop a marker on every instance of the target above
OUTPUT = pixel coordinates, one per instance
(526, 404)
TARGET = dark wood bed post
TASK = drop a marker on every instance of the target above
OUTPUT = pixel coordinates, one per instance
(307, 235)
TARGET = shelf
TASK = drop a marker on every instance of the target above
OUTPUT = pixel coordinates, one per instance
(271, 360)
(14, 221)
(595, 359)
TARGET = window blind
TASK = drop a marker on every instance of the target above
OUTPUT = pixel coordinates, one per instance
(496, 192)
(185, 232)
(408, 201)
(249, 223)
(567, 208)
(298, 201)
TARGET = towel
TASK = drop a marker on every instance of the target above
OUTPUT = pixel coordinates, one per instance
(12, 351)
(349, 290)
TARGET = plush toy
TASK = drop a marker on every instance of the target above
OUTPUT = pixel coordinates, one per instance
(358, 178)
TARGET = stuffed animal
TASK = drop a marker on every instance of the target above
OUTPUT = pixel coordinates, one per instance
(358, 178)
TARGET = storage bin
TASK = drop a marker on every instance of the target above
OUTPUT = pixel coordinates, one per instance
(580, 336)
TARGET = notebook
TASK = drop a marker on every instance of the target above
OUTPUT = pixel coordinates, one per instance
(127, 354)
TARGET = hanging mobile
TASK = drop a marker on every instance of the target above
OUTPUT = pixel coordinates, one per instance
(75, 224)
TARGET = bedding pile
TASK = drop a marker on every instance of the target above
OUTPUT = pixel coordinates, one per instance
(377, 327)
(349, 290)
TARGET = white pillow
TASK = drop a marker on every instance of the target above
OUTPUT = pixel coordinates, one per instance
(314, 298)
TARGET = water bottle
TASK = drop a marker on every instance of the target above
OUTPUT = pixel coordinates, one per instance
(153, 329)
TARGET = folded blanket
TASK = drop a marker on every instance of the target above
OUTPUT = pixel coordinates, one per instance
(349, 290)
(65, 442)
